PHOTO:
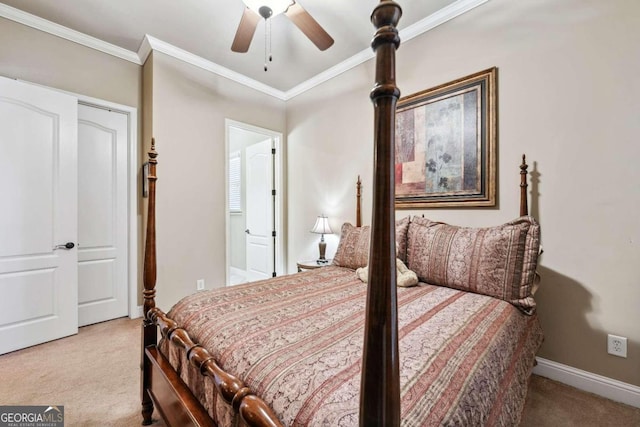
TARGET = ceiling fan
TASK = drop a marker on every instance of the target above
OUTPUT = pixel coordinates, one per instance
(257, 9)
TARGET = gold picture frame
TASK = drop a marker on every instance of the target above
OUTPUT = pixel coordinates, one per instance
(446, 145)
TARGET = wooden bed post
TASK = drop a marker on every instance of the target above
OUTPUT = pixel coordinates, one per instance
(149, 328)
(380, 385)
(358, 202)
(524, 207)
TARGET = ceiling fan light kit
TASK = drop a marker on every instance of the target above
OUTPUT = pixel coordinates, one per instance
(270, 8)
(277, 6)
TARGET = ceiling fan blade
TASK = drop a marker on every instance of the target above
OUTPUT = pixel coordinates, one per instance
(246, 29)
(309, 26)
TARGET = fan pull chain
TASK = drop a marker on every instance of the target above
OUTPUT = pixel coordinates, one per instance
(270, 35)
(266, 35)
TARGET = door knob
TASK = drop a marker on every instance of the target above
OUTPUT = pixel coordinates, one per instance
(247, 231)
(68, 245)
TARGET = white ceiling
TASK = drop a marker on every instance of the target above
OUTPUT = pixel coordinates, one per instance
(206, 28)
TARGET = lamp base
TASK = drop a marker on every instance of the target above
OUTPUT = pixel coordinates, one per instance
(322, 246)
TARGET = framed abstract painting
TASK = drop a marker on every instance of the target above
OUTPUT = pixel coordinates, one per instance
(446, 145)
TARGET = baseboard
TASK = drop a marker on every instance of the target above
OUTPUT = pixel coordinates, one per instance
(136, 314)
(587, 381)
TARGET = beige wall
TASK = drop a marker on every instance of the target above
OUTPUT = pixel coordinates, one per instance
(330, 132)
(568, 97)
(190, 106)
(39, 57)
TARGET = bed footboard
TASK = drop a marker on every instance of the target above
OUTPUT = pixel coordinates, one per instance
(173, 400)
(253, 410)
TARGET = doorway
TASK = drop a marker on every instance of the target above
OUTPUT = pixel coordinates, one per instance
(254, 223)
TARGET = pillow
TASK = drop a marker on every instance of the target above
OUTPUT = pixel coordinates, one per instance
(402, 227)
(497, 261)
(353, 249)
(405, 278)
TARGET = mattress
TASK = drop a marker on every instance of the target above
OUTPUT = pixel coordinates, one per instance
(296, 341)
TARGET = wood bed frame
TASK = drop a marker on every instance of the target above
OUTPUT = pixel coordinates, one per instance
(162, 387)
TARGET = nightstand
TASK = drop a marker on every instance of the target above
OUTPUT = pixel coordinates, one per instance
(312, 264)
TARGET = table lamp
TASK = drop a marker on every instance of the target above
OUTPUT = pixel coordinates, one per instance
(322, 227)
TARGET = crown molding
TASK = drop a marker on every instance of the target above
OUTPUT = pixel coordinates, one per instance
(150, 43)
(145, 49)
(188, 57)
(66, 33)
(330, 73)
(437, 18)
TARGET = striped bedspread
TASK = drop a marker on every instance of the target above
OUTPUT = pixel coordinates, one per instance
(297, 341)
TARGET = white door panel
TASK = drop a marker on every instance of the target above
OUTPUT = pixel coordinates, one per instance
(259, 208)
(28, 151)
(23, 286)
(98, 280)
(38, 184)
(102, 215)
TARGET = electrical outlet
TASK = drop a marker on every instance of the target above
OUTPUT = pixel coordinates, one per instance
(200, 284)
(617, 345)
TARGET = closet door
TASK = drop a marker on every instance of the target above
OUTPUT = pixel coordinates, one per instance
(102, 214)
(38, 218)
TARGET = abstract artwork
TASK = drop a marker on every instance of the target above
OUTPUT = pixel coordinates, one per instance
(445, 145)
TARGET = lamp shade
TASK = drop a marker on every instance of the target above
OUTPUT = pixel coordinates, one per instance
(276, 6)
(322, 225)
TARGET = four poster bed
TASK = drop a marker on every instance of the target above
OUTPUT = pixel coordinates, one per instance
(456, 349)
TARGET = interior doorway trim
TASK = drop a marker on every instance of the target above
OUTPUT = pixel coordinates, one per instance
(279, 252)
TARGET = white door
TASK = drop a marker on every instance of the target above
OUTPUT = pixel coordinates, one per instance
(259, 200)
(102, 215)
(38, 197)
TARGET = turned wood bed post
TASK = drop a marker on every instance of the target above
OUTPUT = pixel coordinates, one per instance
(380, 385)
(524, 207)
(358, 202)
(149, 329)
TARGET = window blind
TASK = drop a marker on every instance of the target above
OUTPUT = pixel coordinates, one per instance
(235, 182)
